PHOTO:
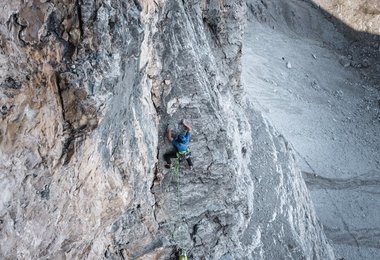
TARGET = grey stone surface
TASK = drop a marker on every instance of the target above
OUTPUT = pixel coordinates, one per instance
(326, 107)
(87, 91)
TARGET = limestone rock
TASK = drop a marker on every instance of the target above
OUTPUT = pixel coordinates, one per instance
(83, 121)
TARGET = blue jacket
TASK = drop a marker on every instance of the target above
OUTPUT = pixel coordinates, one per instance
(182, 147)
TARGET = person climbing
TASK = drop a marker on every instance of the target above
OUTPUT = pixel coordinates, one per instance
(181, 144)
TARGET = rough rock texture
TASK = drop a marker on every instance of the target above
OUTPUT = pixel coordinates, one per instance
(361, 15)
(327, 106)
(87, 90)
(314, 20)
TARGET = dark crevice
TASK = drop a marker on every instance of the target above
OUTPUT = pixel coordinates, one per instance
(80, 21)
(213, 28)
(54, 27)
(15, 20)
(68, 146)
(121, 254)
(193, 233)
(59, 92)
(45, 193)
(138, 6)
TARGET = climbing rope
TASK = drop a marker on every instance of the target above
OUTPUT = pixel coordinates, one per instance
(174, 173)
(175, 177)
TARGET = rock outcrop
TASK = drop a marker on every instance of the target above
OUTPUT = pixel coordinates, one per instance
(87, 91)
(360, 15)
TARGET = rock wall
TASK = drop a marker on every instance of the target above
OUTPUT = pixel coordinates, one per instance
(87, 91)
(360, 15)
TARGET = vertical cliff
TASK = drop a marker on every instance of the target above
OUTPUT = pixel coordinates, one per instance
(87, 91)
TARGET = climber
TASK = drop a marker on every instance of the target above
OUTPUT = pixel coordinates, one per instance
(181, 145)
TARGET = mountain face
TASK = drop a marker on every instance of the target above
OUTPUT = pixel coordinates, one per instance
(88, 89)
(315, 75)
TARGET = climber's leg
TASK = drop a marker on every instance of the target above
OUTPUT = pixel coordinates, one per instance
(168, 156)
(189, 162)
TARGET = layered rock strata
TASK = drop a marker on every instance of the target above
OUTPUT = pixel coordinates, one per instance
(87, 91)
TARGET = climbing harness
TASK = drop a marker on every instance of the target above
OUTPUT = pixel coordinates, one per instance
(184, 155)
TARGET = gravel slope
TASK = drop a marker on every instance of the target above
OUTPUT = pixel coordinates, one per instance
(303, 75)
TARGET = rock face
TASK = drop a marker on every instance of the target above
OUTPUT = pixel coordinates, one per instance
(360, 15)
(327, 106)
(87, 91)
